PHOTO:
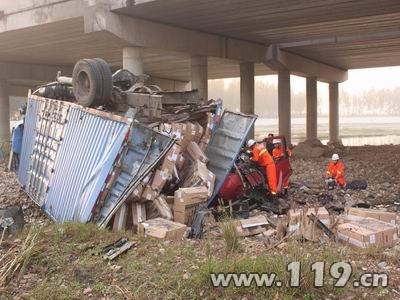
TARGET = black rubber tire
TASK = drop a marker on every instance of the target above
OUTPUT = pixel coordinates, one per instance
(106, 78)
(87, 82)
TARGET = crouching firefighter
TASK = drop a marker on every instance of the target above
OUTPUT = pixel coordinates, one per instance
(261, 156)
(335, 173)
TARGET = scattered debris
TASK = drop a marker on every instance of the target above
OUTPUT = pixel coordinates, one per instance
(15, 259)
(199, 221)
(322, 226)
(11, 219)
(115, 249)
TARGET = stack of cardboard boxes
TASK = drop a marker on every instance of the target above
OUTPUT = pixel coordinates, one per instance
(357, 226)
(364, 227)
(183, 173)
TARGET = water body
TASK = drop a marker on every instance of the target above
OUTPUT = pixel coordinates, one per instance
(354, 131)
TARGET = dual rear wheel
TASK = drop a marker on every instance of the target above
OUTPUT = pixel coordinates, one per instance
(92, 82)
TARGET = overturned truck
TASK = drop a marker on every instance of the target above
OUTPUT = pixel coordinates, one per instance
(107, 148)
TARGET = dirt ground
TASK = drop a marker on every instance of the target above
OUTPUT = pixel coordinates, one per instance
(65, 264)
(379, 165)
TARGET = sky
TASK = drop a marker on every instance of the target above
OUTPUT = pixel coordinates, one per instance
(359, 80)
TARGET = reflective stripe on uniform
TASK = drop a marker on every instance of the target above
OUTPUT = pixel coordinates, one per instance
(262, 152)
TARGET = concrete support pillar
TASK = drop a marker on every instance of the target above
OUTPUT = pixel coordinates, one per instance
(247, 90)
(199, 75)
(132, 60)
(334, 112)
(4, 114)
(312, 108)
(284, 104)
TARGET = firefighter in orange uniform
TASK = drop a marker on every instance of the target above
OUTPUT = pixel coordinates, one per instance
(277, 154)
(278, 151)
(264, 159)
(336, 171)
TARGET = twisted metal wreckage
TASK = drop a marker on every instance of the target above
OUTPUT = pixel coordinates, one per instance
(82, 164)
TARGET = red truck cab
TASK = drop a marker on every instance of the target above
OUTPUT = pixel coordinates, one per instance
(247, 178)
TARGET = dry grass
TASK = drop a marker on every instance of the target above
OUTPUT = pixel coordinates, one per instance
(69, 263)
(230, 235)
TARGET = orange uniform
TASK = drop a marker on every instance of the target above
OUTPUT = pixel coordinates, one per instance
(278, 152)
(264, 159)
(336, 170)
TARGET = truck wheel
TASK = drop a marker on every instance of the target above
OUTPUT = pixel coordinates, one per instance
(106, 78)
(86, 82)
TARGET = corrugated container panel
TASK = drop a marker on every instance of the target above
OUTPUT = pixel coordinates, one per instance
(89, 144)
(143, 151)
(225, 145)
(89, 149)
(33, 108)
(50, 123)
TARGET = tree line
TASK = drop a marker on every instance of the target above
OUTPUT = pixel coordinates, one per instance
(370, 102)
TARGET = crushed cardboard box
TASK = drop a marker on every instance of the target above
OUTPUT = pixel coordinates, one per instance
(300, 223)
(295, 216)
(200, 175)
(160, 208)
(252, 226)
(162, 229)
(196, 153)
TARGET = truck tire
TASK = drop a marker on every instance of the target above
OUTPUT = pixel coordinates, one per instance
(106, 78)
(87, 82)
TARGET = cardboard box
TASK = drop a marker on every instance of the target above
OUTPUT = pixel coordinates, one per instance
(120, 218)
(137, 193)
(180, 162)
(138, 214)
(388, 217)
(199, 175)
(388, 232)
(159, 180)
(186, 197)
(199, 132)
(368, 231)
(161, 205)
(254, 222)
(162, 229)
(149, 194)
(189, 135)
(196, 153)
(170, 160)
(186, 202)
(296, 216)
(242, 232)
(178, 130)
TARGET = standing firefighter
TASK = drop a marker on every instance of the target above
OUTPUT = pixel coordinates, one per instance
(261, 156)
(278, 151)
(336, 171)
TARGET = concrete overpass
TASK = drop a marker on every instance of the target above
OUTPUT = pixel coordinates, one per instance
(182, 41)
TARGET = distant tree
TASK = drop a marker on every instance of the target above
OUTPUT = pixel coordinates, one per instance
(369, 102)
